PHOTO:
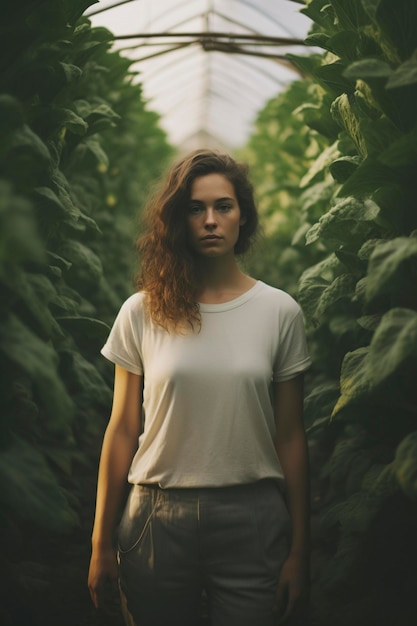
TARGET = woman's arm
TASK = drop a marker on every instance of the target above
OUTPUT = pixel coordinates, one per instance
(119, 446)
(291, 446)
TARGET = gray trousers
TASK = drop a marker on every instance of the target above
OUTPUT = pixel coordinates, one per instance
(230, 543)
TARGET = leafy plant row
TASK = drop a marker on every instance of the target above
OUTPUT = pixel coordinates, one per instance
(78, 152)
(357, 214)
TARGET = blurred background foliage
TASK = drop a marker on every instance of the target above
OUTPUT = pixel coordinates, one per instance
(333, 160)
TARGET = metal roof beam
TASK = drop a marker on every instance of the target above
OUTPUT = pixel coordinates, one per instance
(111, 6)
(230, 48)
(283, 41)
(161, 52)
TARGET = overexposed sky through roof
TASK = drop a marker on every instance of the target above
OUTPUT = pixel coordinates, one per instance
(207, 90)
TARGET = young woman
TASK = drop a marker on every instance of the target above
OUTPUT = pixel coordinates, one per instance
(209, 365)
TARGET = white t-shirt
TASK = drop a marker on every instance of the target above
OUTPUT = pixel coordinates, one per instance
(209, 419)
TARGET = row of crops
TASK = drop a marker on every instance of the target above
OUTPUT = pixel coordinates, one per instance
(78, 152)
(338, 151)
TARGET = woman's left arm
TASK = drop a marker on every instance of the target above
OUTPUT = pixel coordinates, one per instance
(291, 446)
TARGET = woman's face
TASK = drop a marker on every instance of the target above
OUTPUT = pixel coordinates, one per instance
(213, 216)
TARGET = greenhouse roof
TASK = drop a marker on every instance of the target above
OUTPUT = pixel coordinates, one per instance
(207, 66)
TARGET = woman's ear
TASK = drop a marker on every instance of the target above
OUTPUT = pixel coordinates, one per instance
(242, 220)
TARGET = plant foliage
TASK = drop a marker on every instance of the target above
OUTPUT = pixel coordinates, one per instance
(78, 152)
(353, 206)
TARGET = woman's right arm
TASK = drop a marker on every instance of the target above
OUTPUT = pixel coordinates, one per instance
(119, 446)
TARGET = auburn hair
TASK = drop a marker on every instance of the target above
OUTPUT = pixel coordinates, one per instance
(167, 264)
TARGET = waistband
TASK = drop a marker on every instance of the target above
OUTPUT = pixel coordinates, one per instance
(264, 483)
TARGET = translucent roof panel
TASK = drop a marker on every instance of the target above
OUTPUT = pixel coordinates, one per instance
(207, 66)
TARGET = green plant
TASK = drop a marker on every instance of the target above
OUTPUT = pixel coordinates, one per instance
(355, 205)
(78, 151)
(364, 293)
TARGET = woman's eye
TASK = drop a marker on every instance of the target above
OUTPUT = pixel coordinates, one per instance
(224, 207)
(195, 209)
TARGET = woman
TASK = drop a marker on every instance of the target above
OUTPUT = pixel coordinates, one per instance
(212, 361)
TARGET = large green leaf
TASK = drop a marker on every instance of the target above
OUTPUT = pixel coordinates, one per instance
(371, 7)
(350, 260)
(309, 294)
(71, 72)
(39, 361)
(366, 251)
(321, 164)
(64, 192)
(398, 104)
(394, 345)
(343, 167)
(320, 401)
(349, 221)
(85, 330)
(85, 381)
(397, 21)
(58, 260)
(19, 235)
(65, 118)
(86, 268)
(356, 513)
(325, 269)
(30, 295)
(393, 269)
(405, 465)
(405, 74)
(369, 68)
(317, 197)
(336, 296)
(319, 40)
(355, 383)
(402, 152)
(346, 116)
(332, 77)
(313, 282)
(365, 100)
(103, 110)
(23, 170)
(369, 176)
(82, 108)
(321, 12)
(344, 44)
(350, 15)
(318, 117)
(76, 8)
(11, 116)
(347, 453)
(29, 488)
(307, 64)
(47, 201)
(91, 147)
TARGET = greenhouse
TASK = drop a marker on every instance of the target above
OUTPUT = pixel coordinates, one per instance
(318, 98)
(207, 87)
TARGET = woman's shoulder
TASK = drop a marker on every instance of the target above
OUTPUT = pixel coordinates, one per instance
(279, 298)
(135, 303)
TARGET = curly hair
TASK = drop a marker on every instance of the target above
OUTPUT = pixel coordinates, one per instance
(167, 273)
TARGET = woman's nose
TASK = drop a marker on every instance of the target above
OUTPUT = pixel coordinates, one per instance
(211, 217)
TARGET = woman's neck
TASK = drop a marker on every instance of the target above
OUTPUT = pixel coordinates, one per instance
(221, 281)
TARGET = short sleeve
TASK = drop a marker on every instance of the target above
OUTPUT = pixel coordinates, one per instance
(292, 356)
(123, 345)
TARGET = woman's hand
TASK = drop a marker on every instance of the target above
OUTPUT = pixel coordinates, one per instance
(102, 575)
(293, 588)
(119, 446)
